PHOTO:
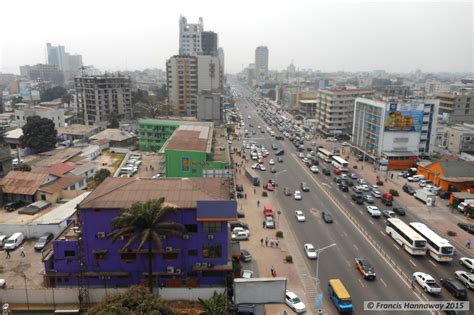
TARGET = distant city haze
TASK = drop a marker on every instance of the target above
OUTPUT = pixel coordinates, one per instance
(321, 35)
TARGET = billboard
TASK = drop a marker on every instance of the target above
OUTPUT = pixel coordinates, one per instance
(403, 117)
(185, 164)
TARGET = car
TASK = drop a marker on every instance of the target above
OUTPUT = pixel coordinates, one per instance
(245, 255)
(301, 155)
(353, 176)
(357, 189)
(269, 187)
(255, 166)
(43, 241)
(376, 194)
(345, 144)
(280, 159)
(240, 236)
(240, 229)
(365, 268)
(399, 211)
(300, 217)
(262, 167)
(273, 170)
(364, 187)
(247, 274)
(314, 169)
(389, 214)
(305, 160)
(467, 227)
(358, 199)
(362, 181)
(427, 282)
(467, 262)
(327, 217)
(310, 251)
(243, 225)
(269, 222)
(373, 211)
(271, 162)
(343, 187)
(3, 283)
(455, 288)
(326, 172)
(408, 189)
(294, 302)
(304, 186)
(368, 198)
(287, 191)
(12, 206)
(297, 195)
(466, 278)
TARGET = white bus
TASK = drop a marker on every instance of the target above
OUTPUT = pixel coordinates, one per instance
(411, 241)
(438, 247)
(324, 155)
(339, 162)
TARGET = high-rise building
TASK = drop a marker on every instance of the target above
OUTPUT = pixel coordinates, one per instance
(67, 63)
(335, 111)
(209, 43)
(190, 36)
(261, 63)
(43, 72)
(220, 54)
(458, 106)
(100, 96)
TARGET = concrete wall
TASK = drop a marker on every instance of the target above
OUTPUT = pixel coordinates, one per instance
(32, 230)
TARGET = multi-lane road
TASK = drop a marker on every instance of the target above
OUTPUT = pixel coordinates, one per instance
(354, 231)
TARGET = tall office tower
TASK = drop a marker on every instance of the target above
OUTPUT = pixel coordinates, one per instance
(209, 43)
(181, 78)
(220, 54)
(57, 56)
(190, 36)
(261, 63)
(43, 72)
(100, 96)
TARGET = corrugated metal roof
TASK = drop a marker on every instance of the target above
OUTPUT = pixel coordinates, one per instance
(60, 184)
(119, 193)
(61, 168)
(62, 212)
(457, 168)
(22, 183)
(112, 135)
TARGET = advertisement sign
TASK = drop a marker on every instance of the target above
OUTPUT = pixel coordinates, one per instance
(185, 163)
(403, 117)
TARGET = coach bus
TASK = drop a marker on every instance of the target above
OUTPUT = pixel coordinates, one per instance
(339, 162)
(411, 241)
(438, 248)
(324, 155)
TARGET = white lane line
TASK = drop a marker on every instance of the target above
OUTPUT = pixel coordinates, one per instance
(353, 203)
(381, 232)
(345, 196)
(361, 211)
(344, 233)
(432, 263)
(396, 247)
(361, 283)
(383, 282)
(411, 262)
(355, 246)
(371, 222)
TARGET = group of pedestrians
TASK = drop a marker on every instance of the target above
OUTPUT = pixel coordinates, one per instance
(8, 251)
(273, 243)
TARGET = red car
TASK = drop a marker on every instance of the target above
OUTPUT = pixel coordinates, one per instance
(287, 191)
(268, 187)
(337, 171)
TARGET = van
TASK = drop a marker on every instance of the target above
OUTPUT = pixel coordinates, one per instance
(464, 204)
(425, 182)
(416, 178)
(14, 241)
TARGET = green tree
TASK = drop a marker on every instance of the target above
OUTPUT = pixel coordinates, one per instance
(113, 121)
(215, 305)
(136, 300)
(16, 100)
(53, 93)
(23, 167)
(101, 175)
(143, 223)
(39, 134)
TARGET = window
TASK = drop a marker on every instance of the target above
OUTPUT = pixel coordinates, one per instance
(212, 227)
(192, 252)
(69, 253)
(128, 256)
(170, 256)
(212, 251)
(191, 228)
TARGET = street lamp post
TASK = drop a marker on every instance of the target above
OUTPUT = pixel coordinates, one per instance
(26, 291)
(319, 251)
(276, 190)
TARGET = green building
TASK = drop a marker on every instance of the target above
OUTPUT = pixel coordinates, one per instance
(197, 151)
(154, 133)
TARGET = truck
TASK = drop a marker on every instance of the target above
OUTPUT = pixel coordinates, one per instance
(425, 196)
(427, 282)
(252, 176)
(466, 202)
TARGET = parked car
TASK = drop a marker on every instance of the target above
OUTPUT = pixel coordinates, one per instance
(327, 217)
(466, 278)
(376, 194)
(343, 187)
(373, 211)
(357, 189)
(467, 227)
(43, 241)
(389, 214)
(3, 283)
(240, 236)
(245, 255)
(12, 206)
(294, 302)
(310, 251)
(314, 169)
(368, 198)
(358, 199)
(365, 268)
(399, 211)
(300, 217)
(269, 223)
(455, 288)
(467, 262)
(408, 189)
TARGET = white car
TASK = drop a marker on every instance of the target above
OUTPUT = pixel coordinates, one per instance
(297, 195)
(255, 166)
(300, 216)
(376, 194)
(362, 181)
(271, 162)
(301, 155)
(427, 282)
(364, 187)
(374, 187)
(310, 251)
(262, 167)
(238, 229)
(467, 262)
(373, 211)
(466, 278)
(294, 302)
(314, 169)
(3, 283)
(240, 236)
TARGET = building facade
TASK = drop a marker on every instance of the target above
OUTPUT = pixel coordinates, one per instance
(209, 106)
(43, 72)
(182, 82)
(199, 257)
(56, 115)
(209, 43)
(458, 106)
(100, 96)
(69, 64)
(457, 138)
(190, 37)
(261, 63)
(335, 111)
(395, 134)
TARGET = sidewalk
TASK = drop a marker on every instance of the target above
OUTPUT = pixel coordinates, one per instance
(266, 256)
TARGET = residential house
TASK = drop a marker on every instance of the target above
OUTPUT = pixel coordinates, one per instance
(116, 137)
(449, 175)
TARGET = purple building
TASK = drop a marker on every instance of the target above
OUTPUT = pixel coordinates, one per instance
(201, 257)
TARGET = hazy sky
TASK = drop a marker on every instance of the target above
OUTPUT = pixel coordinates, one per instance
(324, 35)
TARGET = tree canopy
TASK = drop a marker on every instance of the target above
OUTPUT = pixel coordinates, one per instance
(113, 121)
(39, 134)
(53, 93)
(23, 167)
(101, 175)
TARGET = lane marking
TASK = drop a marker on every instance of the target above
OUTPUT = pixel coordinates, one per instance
(381, 232)
(411, 262)
(361, 211)
(344, 233)
(432, 263)
(362, 283)
(355, 246)
(398, 248)
(383, 282)
(371, 222)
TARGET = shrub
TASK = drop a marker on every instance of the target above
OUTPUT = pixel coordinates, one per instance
(289, 259)
(394, 192)
(451, 233)
(279, 234)
(354, 166)
(264, 194)
(379, 183)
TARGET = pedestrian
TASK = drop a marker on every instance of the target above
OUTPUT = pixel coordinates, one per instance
(263, 224)
(22, 254)
(8, 253)
(245, 195)
(468, 243)
(272, 270)
(271, 243)
(391, 176)
(266, 242)
(261, 241)
(255, 191)
(386, 179)
(258, 203)
(276, 243)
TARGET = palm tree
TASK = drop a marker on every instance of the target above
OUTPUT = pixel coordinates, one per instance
(215, 305)
(143, 222)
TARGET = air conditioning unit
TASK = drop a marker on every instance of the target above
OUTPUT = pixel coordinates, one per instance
(163, 237)
(210, 237)
(186, 237)
(100, 235)
(121, 237)
(169, 248)
(197, 264)
(204, 265)
(170, 269)
(177, 270)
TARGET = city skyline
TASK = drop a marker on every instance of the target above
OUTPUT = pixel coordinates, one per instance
(355, 36)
